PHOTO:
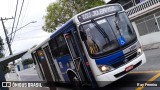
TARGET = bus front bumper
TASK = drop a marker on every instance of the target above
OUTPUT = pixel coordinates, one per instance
(107, 78)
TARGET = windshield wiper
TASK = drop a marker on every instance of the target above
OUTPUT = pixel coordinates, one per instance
(117, 19)
(101, 30)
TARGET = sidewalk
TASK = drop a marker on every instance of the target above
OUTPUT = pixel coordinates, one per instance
(151, 46)
(11, 77)
(29, 74)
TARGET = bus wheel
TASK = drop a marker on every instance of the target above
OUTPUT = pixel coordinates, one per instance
(74, 80)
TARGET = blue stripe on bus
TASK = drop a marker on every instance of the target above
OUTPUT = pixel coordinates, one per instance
(111, 59)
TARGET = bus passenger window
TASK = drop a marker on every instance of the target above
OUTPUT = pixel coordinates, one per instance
(58, 47)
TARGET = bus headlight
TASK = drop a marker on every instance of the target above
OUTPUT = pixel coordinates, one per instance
(104, 68)
(139, 51)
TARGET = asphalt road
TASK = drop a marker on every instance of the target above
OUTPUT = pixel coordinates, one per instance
(149, 74)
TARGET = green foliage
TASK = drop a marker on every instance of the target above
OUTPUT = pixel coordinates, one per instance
(60, 12)
(1, 55)
(1, 43)
(1, 48)
(5, 68)
(27, 61)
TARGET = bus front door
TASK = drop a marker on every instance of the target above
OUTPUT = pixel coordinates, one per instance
(51, 63)
(77, 57)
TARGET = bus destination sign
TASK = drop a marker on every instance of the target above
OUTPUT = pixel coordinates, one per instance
(98, 12)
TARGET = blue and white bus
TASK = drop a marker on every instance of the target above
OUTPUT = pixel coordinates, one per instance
(95, 47)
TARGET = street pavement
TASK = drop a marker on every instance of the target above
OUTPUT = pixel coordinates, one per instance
(153, 61)
(29, 74)
(150, 71)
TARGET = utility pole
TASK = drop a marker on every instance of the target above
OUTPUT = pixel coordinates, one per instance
(2, 74)
(7, 39)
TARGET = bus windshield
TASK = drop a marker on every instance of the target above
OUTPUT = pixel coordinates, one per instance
(108, 34)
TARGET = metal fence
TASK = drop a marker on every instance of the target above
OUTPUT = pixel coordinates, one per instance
(148, 24)
(141, 6)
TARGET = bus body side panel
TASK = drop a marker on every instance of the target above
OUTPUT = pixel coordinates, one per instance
(64, 64)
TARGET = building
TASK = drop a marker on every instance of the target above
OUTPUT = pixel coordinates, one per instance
(145, 17)
(127, 3)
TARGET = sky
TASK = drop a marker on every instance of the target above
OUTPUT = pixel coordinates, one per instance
(107, 1)
(30, 35)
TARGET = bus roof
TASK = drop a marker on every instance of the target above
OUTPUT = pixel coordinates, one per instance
(62, 28)
(55, 33)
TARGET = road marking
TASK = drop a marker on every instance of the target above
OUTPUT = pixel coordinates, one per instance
(143, 72)
(149, 81)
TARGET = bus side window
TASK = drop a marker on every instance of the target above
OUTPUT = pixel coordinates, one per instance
(58, 46)
(54, 49)
(62, 46)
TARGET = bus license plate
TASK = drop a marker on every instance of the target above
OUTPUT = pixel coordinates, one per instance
(129, 68)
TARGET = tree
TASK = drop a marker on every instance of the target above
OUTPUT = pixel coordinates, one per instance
(4, 66)
(60, 12)
(27, 61)
(1, 48)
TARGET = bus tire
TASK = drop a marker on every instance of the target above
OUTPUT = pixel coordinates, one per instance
(74, 79)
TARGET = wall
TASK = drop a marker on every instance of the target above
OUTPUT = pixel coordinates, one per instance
(150, 38)
(147, 39)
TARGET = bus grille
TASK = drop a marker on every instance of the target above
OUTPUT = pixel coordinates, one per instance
(125, 59)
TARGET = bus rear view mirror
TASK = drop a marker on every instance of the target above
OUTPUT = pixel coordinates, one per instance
(83, 36)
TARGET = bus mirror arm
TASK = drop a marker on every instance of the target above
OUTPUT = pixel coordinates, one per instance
(83, 36)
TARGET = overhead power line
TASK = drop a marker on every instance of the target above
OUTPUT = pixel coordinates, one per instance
(25, 12)
(38, 29)
(25, 27)
(14, 20)
(17, 21)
